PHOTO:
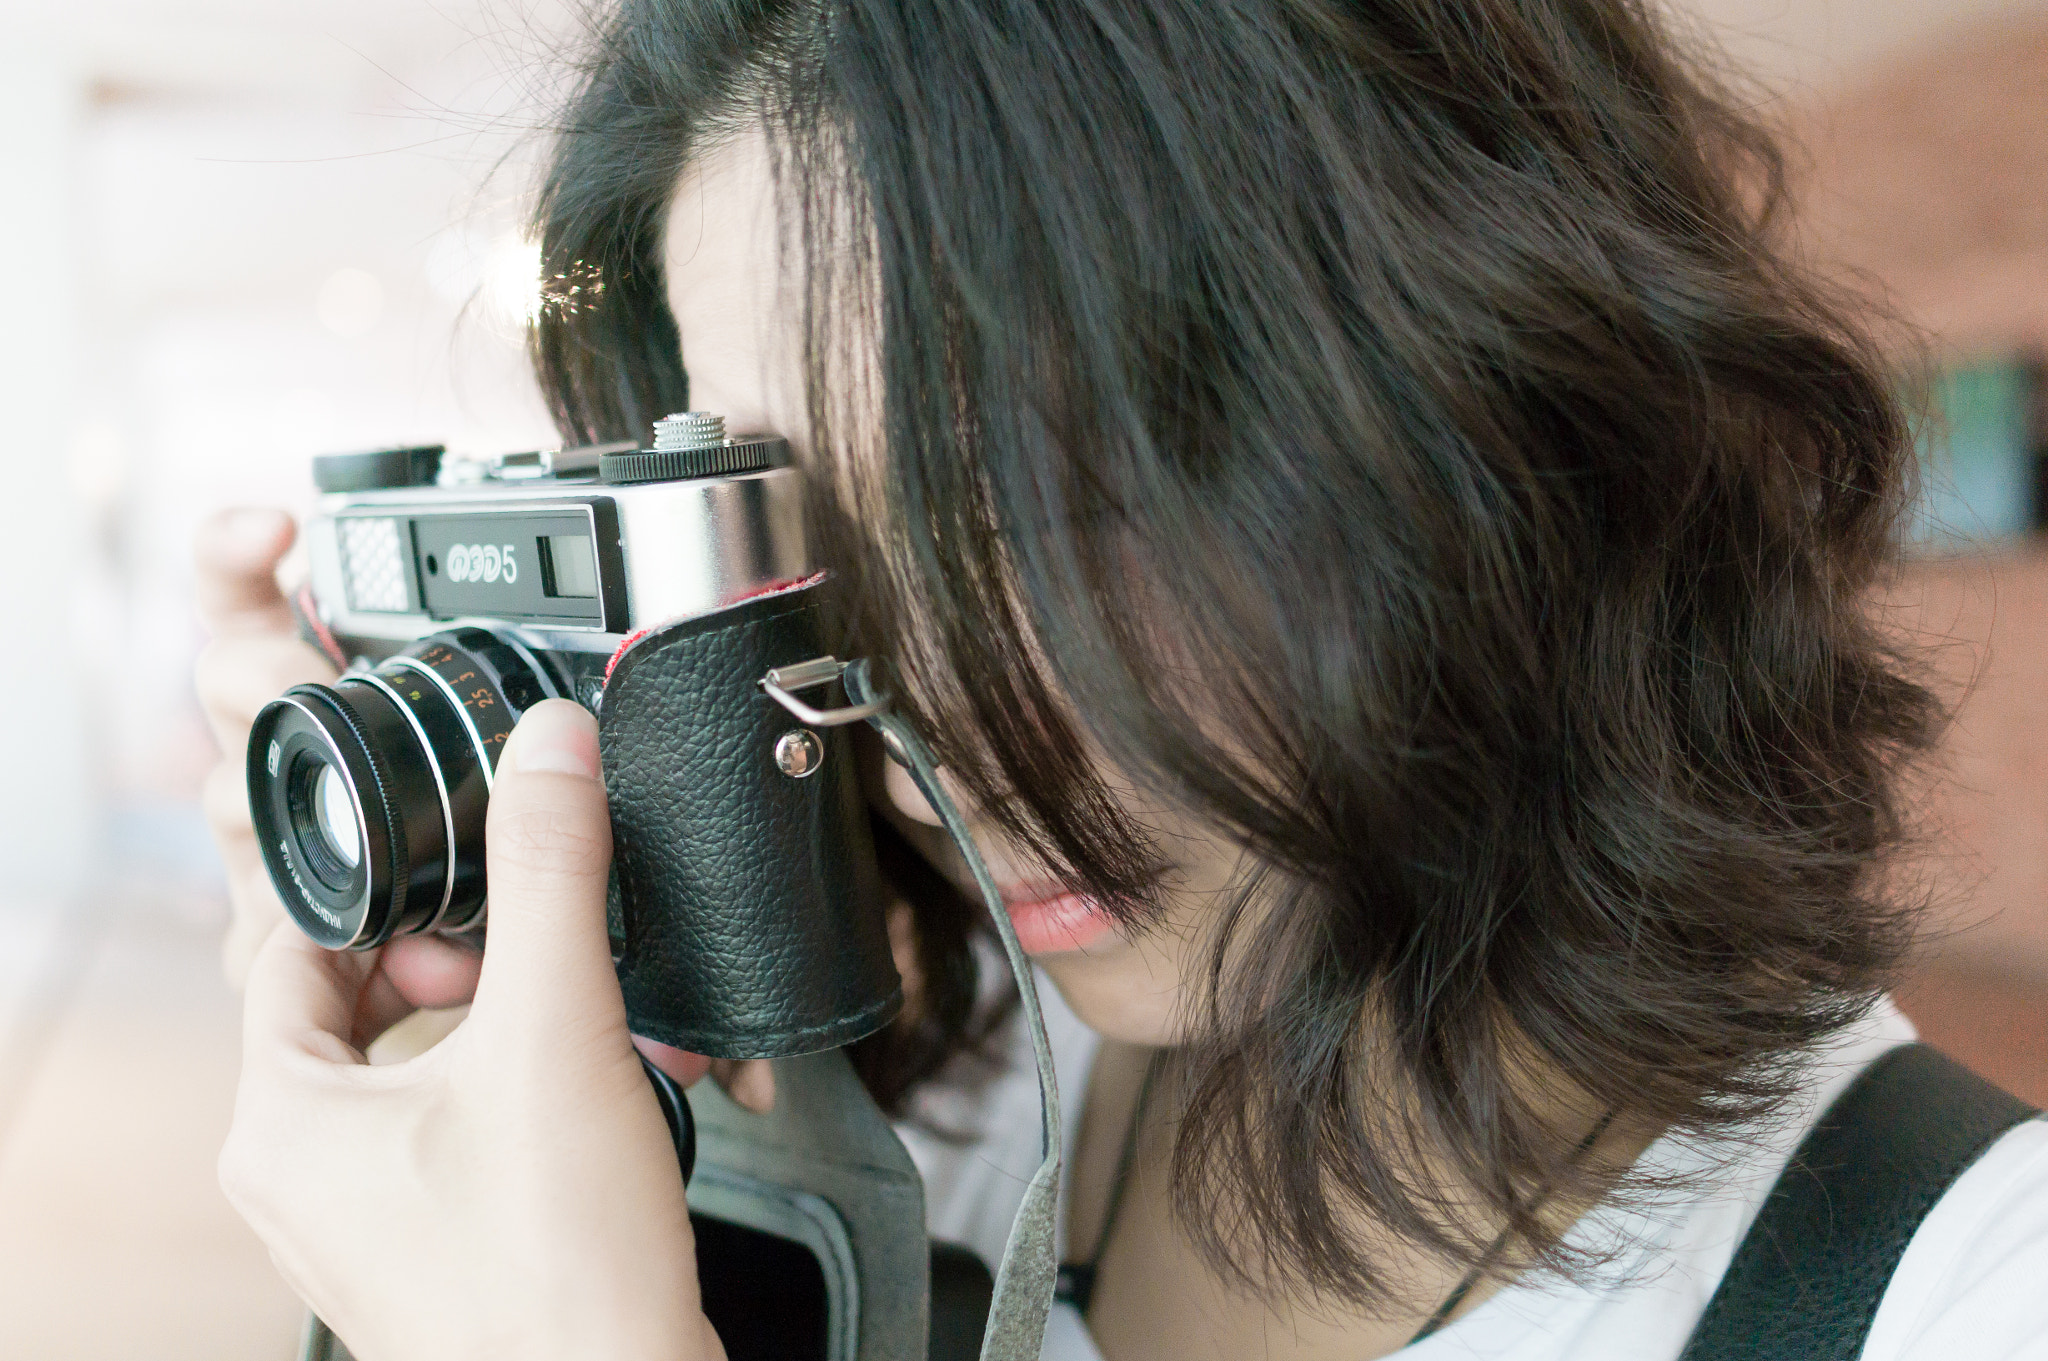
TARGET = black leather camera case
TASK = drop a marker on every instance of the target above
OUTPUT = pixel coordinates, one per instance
(748, 916)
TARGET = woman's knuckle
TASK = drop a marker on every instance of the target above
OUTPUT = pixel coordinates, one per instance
(242, 1171)
(547, 838)
(212, 668)
(256, 906)
(234, 668)
(225, 799)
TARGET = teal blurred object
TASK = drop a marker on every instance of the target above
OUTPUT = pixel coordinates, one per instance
(1979, 459)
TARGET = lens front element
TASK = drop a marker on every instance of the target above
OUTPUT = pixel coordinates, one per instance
(339, 826)
(324, 821)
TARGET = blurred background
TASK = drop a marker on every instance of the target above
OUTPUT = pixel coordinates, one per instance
(244, 232)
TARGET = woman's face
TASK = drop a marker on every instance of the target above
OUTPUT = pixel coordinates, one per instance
(742, 349)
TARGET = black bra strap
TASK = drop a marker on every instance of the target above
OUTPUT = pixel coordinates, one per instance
(1806, 1282)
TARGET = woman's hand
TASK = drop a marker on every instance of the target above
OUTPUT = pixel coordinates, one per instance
(513, 1192)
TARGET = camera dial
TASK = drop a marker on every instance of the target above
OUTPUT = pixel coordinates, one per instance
(368, 795)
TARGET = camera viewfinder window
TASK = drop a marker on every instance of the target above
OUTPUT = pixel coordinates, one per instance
(571, 566)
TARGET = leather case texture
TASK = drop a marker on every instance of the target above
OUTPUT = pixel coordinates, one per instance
(749, 920)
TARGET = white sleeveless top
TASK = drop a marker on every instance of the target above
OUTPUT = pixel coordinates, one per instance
(1972, 1286)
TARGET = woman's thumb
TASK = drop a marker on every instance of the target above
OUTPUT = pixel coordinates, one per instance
(547, 956)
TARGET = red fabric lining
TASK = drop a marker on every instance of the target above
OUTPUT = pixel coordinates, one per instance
(308, 612)
(772, 588)
(635, 636)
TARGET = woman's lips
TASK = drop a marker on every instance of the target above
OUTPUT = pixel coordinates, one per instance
(1054, 921)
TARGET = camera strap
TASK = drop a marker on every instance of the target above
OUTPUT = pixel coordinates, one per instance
(1807, 1280)
(1024, 1279)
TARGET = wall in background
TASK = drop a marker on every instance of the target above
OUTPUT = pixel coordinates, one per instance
(45, 801)
(1805, 48)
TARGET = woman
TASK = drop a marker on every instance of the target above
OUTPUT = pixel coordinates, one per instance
(1378, 537)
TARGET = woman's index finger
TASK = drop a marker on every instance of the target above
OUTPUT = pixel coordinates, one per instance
(303, 1000)
(236, 552)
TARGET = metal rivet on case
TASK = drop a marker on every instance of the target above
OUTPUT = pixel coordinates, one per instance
(798, 753)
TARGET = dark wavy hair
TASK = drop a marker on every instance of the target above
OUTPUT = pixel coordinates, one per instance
(1389, 431)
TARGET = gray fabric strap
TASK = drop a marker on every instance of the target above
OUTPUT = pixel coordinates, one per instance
(1024, 1279)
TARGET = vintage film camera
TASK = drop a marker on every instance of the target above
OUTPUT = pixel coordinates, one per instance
(670, 591)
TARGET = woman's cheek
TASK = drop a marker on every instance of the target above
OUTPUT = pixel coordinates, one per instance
(904, 797)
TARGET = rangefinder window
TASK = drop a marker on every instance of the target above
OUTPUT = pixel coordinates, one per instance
(540, 568)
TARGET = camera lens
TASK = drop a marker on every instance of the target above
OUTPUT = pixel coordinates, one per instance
(368, 795)
(324, 819)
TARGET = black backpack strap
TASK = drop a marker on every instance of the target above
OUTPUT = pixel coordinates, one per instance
(1806, 1282)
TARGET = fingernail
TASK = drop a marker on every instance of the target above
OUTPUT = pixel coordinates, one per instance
(251, 533)
(556, 735)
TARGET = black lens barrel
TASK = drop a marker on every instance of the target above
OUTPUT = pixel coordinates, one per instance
(414, 742)
(461, 787)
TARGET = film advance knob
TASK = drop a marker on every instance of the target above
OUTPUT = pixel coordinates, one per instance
(693, 444)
